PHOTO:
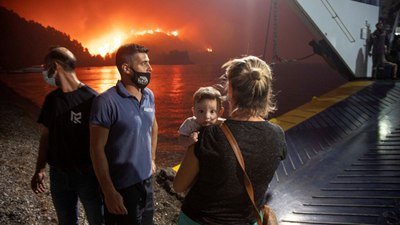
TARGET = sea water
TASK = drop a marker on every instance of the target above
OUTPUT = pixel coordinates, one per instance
(173, 87)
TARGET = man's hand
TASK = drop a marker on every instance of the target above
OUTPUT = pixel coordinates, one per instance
(38, 182)
(115, 203)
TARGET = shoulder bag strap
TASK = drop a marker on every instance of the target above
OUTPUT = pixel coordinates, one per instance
(239, 157)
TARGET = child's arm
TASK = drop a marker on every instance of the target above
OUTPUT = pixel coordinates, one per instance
(188, 132)
(187, 141)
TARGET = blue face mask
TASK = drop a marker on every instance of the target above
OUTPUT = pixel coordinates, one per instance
(51, 81)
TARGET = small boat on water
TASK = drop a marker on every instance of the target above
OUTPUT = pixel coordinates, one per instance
(31, 69)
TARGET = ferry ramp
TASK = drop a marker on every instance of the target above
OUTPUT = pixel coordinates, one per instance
(343, 162)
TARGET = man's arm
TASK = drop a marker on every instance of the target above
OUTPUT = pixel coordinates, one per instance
(98, 140)
(154, 141)
(369, 44)
(37, 181)
(387, 44)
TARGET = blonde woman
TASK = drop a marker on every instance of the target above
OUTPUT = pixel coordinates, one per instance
(210, 172)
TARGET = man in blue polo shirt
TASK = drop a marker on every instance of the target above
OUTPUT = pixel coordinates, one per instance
(123, 137)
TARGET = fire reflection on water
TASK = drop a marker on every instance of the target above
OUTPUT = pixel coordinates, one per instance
(173, 87)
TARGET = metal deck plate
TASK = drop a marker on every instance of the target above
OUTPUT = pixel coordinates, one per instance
(343, 164)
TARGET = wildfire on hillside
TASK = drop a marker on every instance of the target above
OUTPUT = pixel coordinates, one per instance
(110, 42)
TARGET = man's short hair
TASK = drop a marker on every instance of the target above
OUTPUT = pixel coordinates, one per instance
(63, 56)
(126, 52)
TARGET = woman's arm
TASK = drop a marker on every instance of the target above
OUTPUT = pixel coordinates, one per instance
(187, 172)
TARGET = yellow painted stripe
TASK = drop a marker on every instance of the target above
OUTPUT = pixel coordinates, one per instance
(315, 106)
(176, 168)
(318, 104)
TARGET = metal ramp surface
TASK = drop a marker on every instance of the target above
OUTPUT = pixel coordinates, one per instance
(343, 164)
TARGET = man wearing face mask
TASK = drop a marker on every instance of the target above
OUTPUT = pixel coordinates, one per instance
(123, 137)
(64, 142)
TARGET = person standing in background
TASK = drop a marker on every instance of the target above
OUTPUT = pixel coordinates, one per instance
(64, 142)
(378, 48)
(124, 139)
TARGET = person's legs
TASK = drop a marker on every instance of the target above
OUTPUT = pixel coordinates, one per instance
(138, 200)
(392, 65)
(374, 66)
(394, 75)
(394, 69)
(380, 65)
(89, 194)
(65, 200)
(133, 202)
(398, 71)
(148, 214)
(109, 218)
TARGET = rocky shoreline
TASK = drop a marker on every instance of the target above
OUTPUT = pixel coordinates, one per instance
(19, 141)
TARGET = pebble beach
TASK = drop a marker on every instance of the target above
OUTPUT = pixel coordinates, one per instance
(19, 141)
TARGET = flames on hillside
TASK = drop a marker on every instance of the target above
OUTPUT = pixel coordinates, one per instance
(110, 42)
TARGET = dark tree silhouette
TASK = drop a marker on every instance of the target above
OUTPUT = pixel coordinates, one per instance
(24, 43)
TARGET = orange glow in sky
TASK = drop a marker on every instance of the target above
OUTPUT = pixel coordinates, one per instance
(158, 30)
(109, 42)
(106, 44)
(227, 27)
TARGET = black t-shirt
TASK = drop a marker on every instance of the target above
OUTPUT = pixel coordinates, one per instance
(66, 115)
(219, 195)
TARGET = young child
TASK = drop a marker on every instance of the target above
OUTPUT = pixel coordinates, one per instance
(207, 110)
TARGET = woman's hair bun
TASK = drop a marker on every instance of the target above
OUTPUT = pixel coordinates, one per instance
(255, 75)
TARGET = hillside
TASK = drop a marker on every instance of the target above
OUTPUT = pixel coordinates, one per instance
(24, 43)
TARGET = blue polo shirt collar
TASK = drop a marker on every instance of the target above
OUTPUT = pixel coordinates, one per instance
(122, 90)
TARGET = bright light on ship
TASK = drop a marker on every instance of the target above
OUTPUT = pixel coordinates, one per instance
(397, 31)
(209, 50)
(384, 127)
